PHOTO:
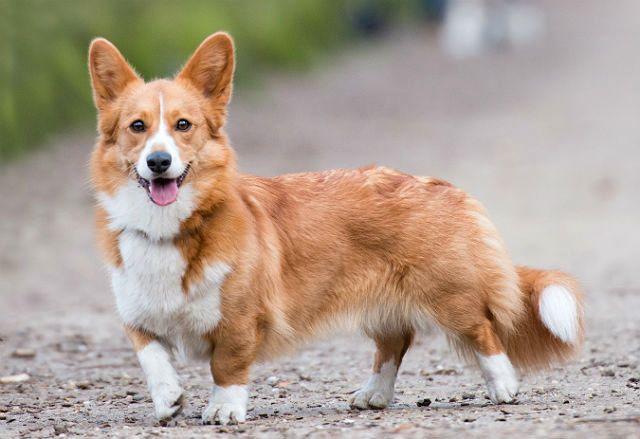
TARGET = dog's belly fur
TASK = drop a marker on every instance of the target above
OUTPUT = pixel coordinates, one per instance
(150, 296)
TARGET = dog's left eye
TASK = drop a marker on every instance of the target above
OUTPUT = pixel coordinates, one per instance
(183, 125)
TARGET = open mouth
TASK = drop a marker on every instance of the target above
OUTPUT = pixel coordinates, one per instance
(163, 191)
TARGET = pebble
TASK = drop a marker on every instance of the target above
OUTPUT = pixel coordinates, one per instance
(426, 402)
(83, 385)
(10, 379)
(272, 380)
(60, 429)
(23, 353)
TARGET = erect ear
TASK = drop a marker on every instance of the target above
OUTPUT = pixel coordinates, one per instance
(210, 68)
(110, 72)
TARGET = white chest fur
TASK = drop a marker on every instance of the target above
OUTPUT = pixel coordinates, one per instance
(130, 208)
(149, 294)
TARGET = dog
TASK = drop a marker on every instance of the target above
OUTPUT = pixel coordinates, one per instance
(210, 264)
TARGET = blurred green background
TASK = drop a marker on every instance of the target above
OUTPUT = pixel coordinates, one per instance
(44, 85)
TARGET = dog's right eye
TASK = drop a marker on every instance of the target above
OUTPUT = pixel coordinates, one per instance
(137, 126)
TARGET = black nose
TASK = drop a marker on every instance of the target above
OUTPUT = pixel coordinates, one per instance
(159, 161)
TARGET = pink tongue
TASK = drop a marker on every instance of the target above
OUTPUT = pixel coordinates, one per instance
(164, 191)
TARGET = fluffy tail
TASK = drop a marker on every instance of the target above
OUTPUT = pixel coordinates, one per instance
(552, 329)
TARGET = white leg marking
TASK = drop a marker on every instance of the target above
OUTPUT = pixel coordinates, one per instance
(228, 405)
(500, 376)
(378, 391)
(162, 380)
(559, 312)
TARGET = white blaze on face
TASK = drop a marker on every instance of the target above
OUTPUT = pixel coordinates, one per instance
(161, 141)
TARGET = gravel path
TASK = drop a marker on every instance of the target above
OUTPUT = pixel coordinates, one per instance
(546, 137)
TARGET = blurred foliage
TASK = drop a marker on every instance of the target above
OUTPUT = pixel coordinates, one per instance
(44, 83)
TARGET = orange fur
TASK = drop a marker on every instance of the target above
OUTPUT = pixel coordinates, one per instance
(386, 251)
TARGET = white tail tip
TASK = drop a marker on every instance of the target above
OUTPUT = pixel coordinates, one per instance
(559, 312)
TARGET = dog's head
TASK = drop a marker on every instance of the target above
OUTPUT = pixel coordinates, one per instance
(164, 134)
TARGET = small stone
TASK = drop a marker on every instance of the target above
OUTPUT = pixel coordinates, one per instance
(272, 380)
(609, 409)
(468, 395)
(138, 397)
(23, 353)
(608, 373)
(83, 385)
(60, 429)
(426, 402)
(10, 379)
(402, 427)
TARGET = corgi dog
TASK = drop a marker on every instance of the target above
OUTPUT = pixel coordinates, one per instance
(210, 264)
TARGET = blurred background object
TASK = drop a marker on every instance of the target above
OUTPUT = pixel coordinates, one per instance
(474, 26)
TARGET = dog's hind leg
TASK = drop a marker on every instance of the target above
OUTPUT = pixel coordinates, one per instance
(497, 370)
(377, 392)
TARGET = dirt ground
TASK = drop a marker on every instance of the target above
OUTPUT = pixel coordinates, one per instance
(547, 137)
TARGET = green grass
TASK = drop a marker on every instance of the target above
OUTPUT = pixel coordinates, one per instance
(44, 84)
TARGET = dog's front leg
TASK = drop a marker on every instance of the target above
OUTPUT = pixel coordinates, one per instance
(162, 379)
(230, 364)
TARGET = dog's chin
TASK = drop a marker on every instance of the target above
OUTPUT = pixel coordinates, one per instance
(163, 191)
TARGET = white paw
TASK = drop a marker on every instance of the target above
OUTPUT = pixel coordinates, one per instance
(228, 405)
(368, 398)
(502, 390)
(224, 414)
(378, 392)
(162, 380)
(168, 400)
(500, 376)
